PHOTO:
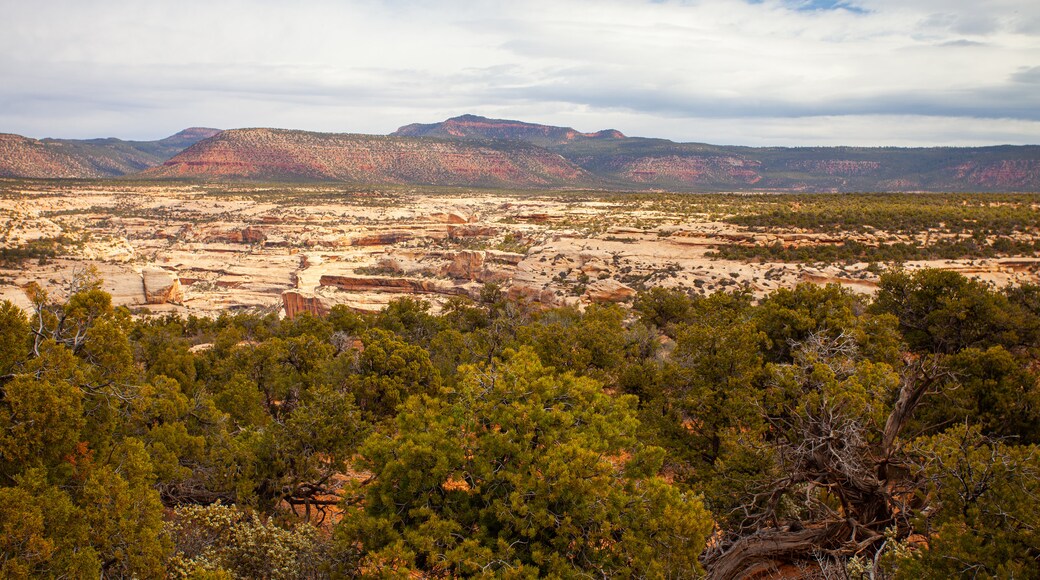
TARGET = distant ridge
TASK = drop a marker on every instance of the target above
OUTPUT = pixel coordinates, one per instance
(476, 127)
(640, 163)
(479, 151)
(183, 139)
(281, 154)
(25, 157)
(90, 158)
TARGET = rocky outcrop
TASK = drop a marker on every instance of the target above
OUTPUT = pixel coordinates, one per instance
(653, 243)
(381, 239)
(528, 293)
(389, 265)
(246, 235)
(608, 290)
(391, 285)
(466, 265)
(161, 286)
(691, 170)
(252, 235)
(449, 218)
(498, 257)
(1005, 173)
(471, 231)
(296, 302)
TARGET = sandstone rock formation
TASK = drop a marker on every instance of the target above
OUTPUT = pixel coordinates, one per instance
(466, 265)
(608, 290)
(522, 292)
(393, 285)
(449, 218)
(246, 235)
(252, 235)
(161, 286)
(381, 239)
(295, 302)
(500, 257)
(472, 231)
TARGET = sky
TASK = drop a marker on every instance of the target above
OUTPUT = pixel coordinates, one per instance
(740, 72)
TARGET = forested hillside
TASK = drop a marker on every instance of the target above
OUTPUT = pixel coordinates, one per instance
(813, 432)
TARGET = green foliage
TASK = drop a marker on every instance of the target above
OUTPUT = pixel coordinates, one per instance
(306, 325)
(40, 423)
(14, 337)
(663, 307)
(852, 251)
(178, 433)
(22, 535)
(991, 389)
(944, 312)
(987, 521)
(43, 532)
(345, 320)
(789, 317)
(280, 368)
(587, 343)
(524, 471)
(296, 459)
(885, 228)
(41, 250)
(409, 318)
(163, 350)
(496, 439)
(242, 402)
(384, 373)
(955, 214)
(450, 349)
(98, 512)
(712, 374)
(124, 514)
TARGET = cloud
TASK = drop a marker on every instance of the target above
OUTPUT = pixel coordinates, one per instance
(1029, 75)
(961, 42)
(814, 5)
(144, 70)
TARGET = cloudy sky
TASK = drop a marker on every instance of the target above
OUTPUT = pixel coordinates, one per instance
(749, 72)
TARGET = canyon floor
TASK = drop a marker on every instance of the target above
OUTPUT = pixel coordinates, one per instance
(205, 249)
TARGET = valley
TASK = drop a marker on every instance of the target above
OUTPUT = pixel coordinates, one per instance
(203, 249)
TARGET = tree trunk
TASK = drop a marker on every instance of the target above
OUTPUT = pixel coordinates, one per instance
(757, 553)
